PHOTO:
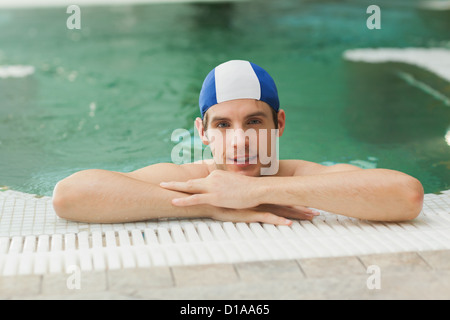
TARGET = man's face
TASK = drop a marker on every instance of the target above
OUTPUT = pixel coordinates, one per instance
(242, 136)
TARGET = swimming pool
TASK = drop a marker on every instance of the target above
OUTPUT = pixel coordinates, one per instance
(110, 94)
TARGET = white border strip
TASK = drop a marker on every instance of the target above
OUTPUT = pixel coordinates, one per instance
(58, 3)
(40, 243)
(436, 60)
(441, 5)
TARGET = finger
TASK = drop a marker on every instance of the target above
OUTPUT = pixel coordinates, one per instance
(298, 212)
(298, 215)
(195, 199)
(283, 210)
(244, 215)
(268, 217)
(307, 210)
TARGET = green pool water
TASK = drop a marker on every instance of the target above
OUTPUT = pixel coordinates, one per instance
(110, 94)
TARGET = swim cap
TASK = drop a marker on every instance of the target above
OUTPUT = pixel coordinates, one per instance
(238, 79)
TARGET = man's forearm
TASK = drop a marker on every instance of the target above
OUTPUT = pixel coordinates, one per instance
(372, 194)
(109, 197)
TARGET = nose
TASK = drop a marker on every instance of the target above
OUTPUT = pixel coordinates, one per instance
(238, 138)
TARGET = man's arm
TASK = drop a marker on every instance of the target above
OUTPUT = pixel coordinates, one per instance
(100, 196)
(372, 194)
(108, 197)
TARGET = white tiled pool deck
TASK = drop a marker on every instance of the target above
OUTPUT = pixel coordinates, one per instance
(33, 240)
(329, 257)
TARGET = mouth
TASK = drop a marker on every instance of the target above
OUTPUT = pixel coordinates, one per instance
(243, 161)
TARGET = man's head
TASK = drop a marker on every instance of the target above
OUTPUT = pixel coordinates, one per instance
(241, 118)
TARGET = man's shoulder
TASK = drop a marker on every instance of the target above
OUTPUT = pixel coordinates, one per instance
(198, 169)
(166, 171)
(297, 167)
(306, 168)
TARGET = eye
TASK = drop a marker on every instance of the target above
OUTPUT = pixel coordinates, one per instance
(222, 125)
(254, 121)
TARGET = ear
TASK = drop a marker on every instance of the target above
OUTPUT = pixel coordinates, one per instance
(281, 122)
(201, 130)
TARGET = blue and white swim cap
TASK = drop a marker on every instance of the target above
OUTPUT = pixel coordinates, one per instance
(238, 79)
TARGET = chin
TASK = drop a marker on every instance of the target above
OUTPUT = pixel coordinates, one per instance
(246, 169)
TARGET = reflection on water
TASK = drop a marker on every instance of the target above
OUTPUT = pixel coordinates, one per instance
(217, 15)
(19, 118)
(384, 108)
(389, 110)
(438, 20)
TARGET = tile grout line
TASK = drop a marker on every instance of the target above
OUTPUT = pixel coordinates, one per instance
(297, 261)
(425, 260)
(172, 276)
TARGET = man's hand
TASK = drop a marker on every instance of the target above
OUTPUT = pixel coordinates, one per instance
(219, 189)
(265, 213)
(297, 212)
(231, 199)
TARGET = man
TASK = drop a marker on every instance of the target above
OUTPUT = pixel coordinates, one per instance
(245, 181)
